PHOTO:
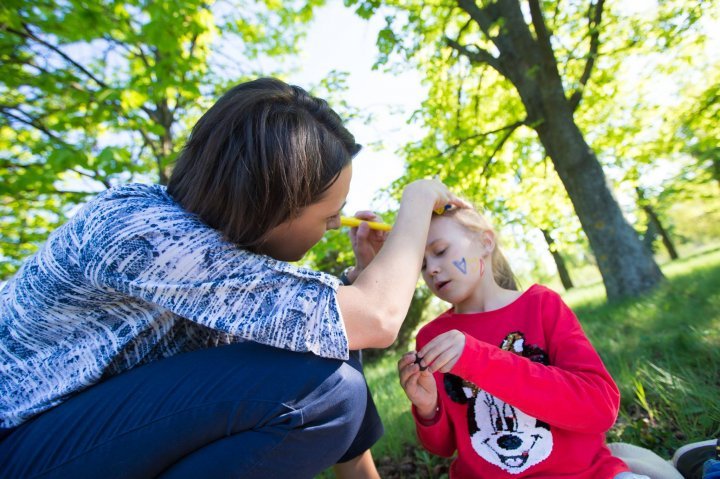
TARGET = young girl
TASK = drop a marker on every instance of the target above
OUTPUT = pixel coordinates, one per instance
(505, 378)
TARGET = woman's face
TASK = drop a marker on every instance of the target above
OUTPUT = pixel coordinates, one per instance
(451, 264)
(289, 241)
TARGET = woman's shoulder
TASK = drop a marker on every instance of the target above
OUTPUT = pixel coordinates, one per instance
(132, 195)
(120, 203)
(134, 190)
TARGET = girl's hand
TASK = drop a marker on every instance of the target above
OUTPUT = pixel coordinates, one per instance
(436, 190)
(419, 386)
(443, 351)
(366, 243)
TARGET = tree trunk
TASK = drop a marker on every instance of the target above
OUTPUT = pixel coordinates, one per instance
(655, 221)
(655, 226)
(526, 58)
(627, 268)
(559, 261)
(648, 238)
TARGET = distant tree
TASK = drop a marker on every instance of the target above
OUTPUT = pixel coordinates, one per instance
(563, 273)
(655, 226)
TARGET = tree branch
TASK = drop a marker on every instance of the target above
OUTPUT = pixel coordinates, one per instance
(479, 57)
(33, 123)
(5, 163)
(148, 141)
(30, 35)
(178, 96)
(509, 128)
(152, 114)
(94, 177)
(594, 19)
(484, 17)
(541, 31)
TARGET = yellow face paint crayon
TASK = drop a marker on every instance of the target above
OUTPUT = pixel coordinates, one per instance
(374, 225)
(442, 210)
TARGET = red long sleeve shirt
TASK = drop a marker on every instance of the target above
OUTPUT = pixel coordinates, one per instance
(528, 398)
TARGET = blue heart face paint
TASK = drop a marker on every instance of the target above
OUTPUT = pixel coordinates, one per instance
(461, 265)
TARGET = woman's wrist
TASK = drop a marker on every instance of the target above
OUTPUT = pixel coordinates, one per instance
(352, 273)
(417, 197)
(345, 276)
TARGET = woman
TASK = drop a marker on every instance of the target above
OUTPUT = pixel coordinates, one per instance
(110, 334)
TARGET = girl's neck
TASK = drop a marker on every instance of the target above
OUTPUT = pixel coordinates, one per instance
(488, 297)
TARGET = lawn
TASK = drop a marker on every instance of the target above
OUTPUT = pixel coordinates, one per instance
(662, 349)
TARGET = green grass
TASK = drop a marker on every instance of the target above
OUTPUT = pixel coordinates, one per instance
(394, 408)
(662, 349)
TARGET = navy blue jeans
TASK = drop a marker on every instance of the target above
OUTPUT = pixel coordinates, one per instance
(244, 411)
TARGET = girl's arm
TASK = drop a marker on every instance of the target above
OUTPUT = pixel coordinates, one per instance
(575, 392)
(374, 307)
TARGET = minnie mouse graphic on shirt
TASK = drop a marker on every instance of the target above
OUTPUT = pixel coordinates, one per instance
(500, 433)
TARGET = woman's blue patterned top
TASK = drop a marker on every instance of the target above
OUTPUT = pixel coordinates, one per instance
(133, 278)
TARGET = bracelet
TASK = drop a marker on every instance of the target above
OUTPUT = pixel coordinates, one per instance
(344, 276)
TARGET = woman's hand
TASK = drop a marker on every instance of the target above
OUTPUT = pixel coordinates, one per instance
(366, 243)
(419, 386)
(443, 351)
(436, 190)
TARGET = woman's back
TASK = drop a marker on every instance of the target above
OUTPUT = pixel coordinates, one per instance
(133, 278)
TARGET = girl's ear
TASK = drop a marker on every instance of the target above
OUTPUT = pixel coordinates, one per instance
(487, 240)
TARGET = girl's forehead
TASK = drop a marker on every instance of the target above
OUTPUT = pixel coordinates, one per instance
(444, 228)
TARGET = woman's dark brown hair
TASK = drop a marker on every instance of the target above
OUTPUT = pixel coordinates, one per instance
(258, 156)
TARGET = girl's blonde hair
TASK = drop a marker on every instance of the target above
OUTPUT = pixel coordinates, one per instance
(475, 222)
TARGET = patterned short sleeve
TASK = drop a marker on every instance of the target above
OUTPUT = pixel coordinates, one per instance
(144, 245)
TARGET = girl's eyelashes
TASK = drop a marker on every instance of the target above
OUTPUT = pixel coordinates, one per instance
(437, 253)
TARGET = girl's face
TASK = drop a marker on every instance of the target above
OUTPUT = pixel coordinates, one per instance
(289, 241)
(451, 264)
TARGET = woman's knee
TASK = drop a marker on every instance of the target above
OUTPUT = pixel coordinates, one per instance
(352, 386)
(344, 391)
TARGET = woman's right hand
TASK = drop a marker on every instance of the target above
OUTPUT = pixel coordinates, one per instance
(436, 190)
(419, 386)
(366, 243)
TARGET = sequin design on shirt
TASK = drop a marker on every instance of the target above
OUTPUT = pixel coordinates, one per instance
(133, 278)
(500, 433)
